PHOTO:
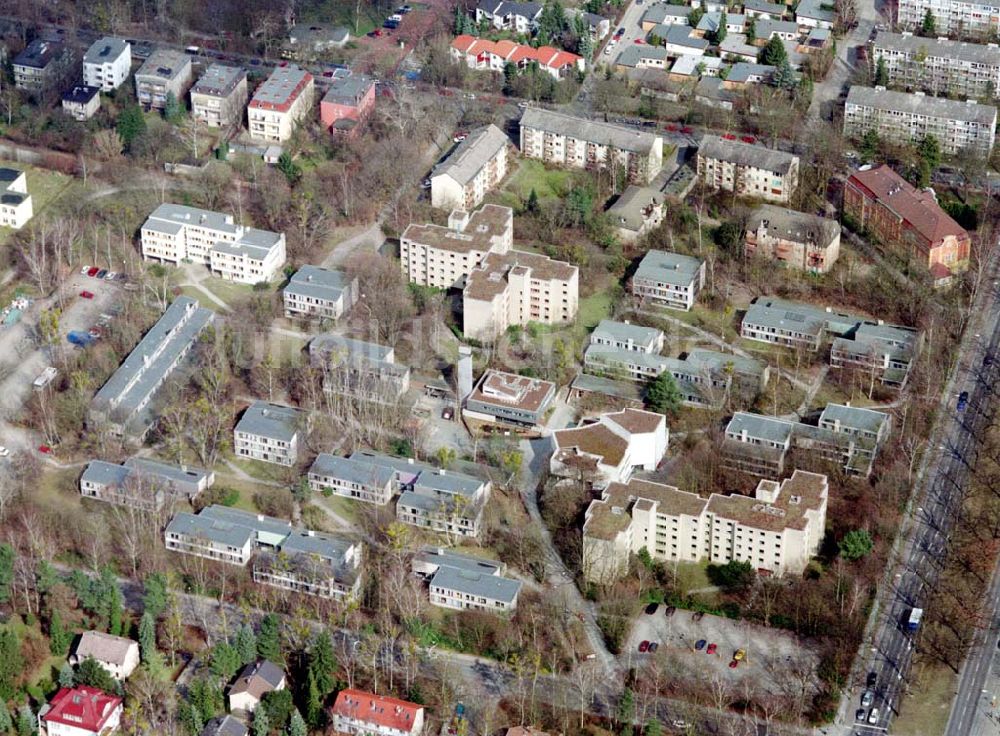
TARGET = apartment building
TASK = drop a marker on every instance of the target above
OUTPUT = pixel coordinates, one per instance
(166, 72)
(964, 18)
(623, 350)
(361, 479)
(357, 713)
(219, 97)
(636, 211)
(708, 377)
(799, 240)
(117, 655)
(747, 169)
(280, 103)
(516, 288)
(669, 279)
(510, 16)
(938, 66)
(348, 102)
(815, 14)
(143, 482)
(904, 117)
(778, 529)
(566, 140)
(107, 63)
(123, 402)
(44, 66)
(845, 436)
(463, 583)
(611, 448)
(475, 167)
(81, 103)
(443, 257)
(80, 711)
(627, 337)
(15, 202)
(319, 564)
(880, 351)
(905, 218)
(175, 233)
(484, 55)
(359, 368)
(317, 293)
(269, 433)
(510, 399)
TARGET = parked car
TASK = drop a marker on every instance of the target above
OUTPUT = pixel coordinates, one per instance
(620, 32)
(872, 679)
(653, 646)
(4, 452)
(860, 714)
(644, 646)
(459, 137)
(712, 648)
(112, 276)
(987, 360)
(963, 400)
(671, 610)
(698, 616)
(425, 184)
(733, 664)
(87, 294)
(101, 274)
(92, 271)
(651, 608)
(447, 413)
(85, 270)
(867, 698)
(740, 655)
(748, 139)
(873, 716)
(523, 104)
(699, 645)
(45, 449)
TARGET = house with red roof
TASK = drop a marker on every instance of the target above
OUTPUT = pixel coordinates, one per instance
(899, 215)
(479, 53)
(357, 713)
(80, 711)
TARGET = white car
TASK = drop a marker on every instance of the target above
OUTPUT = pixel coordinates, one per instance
(83, 271)
(4, 452)
(873, 716)
(112, 275)
(523, 104)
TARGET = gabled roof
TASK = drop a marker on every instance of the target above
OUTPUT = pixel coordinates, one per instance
(81, 707)
(379, 710)
(258, 678)
(468, 159)
(224, 726)
(746, 154)
(104, 647)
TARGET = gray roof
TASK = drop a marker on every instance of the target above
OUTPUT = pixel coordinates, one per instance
(318, 283)
(661, 11)
(362, 471)
(854, 417)
(318, 34)
(176, 474)
(468, 159)
(610, 356)
(338, 350)
(349, 90)
(277, 89)
(270, 420)
(628, 390)
(214, 530)
(259, 523)
(799, 227)
(710, 21)
(447, 558)
(443, 482)
(437, 504)
(105, 50)
(944, 48)
(165, 64)
(492, 587)
(219, 80)
(266, 670)
(669, 268)
(330, 547)
(505, 7)
(39, 53)
(176, 216)
(919, 104)
(253, 243)
(742, 71)
(610, 329)
(716, 361)
(627, 210)
(736, 43)
(224, 726)
(746, 154)
(815, 9)
(804, 318)
(632, 55)
(764, 28)
(680, 35)
(763, 6)
(104, 474)
(593, 131)
(760, 426)
(80, 94)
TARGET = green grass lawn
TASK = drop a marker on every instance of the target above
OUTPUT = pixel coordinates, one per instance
(924, 711)
(531, 174)
(593, 309)
(260, 470)
(342, 507)
(45, 187)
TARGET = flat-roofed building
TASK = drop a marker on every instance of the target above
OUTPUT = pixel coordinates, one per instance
(359, 368)
(557, 138)
(225, 534)
(269, 433)
(123, 402)
(670, 279)
(143, 482)
(880, 351)
(361, 479)
(708, 377)
(43, 66)
(280, 103)
(107, 63)
(475, 167)
(903, 117)
(81, 102)
(969, 18)
(16, 207)
(347, 104)
(219, 97)
(166, 72)
(319, 294)
(747, 169)
(627, 337)
(815, 14)
(320, 564)
(799, 240)
(509, 398)
(938, 66)
(610, 449)
(462, 582)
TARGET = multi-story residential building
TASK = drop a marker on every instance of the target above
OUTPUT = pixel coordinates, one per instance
(747, 169)
(494, 56)
(357, 713)
(474, 168)
(15, 201)
(778, 529)
(359, 368)
(166, 72)
(143, 482)
(610, 449)
(319, 294)
(904, 117)
(510, 399)
(81, 103)
(510, 16)
(224, 534)
(269, 433)
(846, 436)
(362, 478)
(579, 143)
(623, 336)
(708, 377)
(636, 211)
(175, 233)
(123, 402)
(44, 66)
(107, 64)
(799, 240)
(117, 655)
(903, 217)
(623, 350)
(938, 66)
(318, 564)
(464, 583)
(347, 104)
(670, 279)
(967, 18)
(80, 711)
(443, 257)
(815, 14)
(880, 351)
(219, 97)
(280, 103)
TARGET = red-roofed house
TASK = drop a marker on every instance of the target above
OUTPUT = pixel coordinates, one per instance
(362, 714)
(81, 711)
(479, 53)
(897, 213)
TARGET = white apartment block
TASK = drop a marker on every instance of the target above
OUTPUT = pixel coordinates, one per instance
(165, 72)
(901, 117)
(938, 66)
(269, 433)
(280, 103)
(107, 64)
(951, 17)
(358, 713)
(670, 279)
(777, 530)
(359, 478)
(473, 169)
(15, 202)
(579, 143)
(465, 583)
(746, 169)
(174, 233)
(219, 96)
(319, 293)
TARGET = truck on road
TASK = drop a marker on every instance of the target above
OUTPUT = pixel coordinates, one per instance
(913, 622)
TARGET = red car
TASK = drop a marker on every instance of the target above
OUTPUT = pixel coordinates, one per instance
(93, 271)
(734, 664)
(643, 646)
(672, 128)
(729, 137)
(639, 41)
(87, 294)
(45, 449)
(711, 649)
(687, 130)
(748, 139)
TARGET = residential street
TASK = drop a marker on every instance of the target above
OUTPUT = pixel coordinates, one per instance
(827, 94)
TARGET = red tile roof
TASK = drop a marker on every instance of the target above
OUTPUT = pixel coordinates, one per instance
(380, 710)
(514, 53)
(918, 208)
(82, 707)
(463, 42)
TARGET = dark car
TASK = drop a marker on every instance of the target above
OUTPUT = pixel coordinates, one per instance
(987, 360)
(698, 616)
(651, 608)
(872, 679)
(643, 646)
(859, 714)
(653, 646)
(963, 400)
(671, 610)
(101, 274)
(700, 644)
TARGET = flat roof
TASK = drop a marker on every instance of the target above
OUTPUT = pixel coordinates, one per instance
(219, 80)
(917, 103)
(165, 64)
(498, 388)
(80, 94)
(907, 43)
(105, 50)
(39, 53)
(489, 278)
(348, 90)
(668, 267)
(493, 587)
(270, 420)
(363, 471)
(620, 137)
(282, 87)
(816, 9)
(484, 227)
(609, 329)
(318, 283)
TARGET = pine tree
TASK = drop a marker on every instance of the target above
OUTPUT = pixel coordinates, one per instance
(190, 718)
(154, 595)
(11, 663)
(296, 725)
(261, 726)
(246, 644)
(6, 571)
(314, 702)
(147, 636)
(929, 26)
(130, 125)
(532, 204)
(6, 722)
(67, 678)
(322, 663)
(662, 395)
(91, 673)
(116, 612)
(27, 725)
(225, 661)
(720, 33)
(59, 638)
(269, 639)
(881, 72)
(206, 697)
(773, 53)
(173, 111)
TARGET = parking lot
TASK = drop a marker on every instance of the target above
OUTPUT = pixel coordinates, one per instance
(775, 658)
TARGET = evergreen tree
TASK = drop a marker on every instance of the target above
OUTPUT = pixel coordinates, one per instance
(459, 21)
(930, 151)
(59, 638)
(870, 145)
(784, 76)
(287, 166)
(323, 663)
(662, 395)
(855, 544)
(881, 72)
(246, 645)
(116, 612)
(206, 697)
(6, 571)
(154, 595)
(929, 26)
(45, 577)
(296, 725)
(172, 109)
(27, 724)
(314, 702)
(6, 722)
(147, 636)
(91, 673)
(67, 678)
(269, 639)
(11, 663)
(225, 661)
(773, 53)
(190, 718)
(532, 204)
(130, 125)
(720, 33)
(653, 728)
(751, 30)
(279, 707)
(261, 726)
